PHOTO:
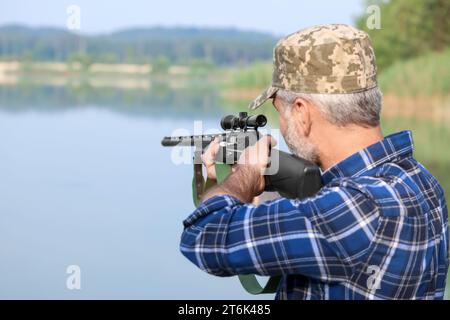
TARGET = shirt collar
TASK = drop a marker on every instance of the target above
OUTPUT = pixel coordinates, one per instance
(391, 149)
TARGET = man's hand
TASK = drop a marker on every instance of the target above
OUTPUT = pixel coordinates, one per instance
(247, 179)
(209, 157)
(253, 161)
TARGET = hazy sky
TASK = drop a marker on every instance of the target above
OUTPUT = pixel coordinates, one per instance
(275, 16)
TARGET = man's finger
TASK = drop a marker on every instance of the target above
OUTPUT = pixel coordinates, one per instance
(268, 140)
(211, 151)
(273, 141)
(214, 145)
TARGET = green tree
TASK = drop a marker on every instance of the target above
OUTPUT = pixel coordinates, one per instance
(408, 28)
(82, 58)
(160, 64)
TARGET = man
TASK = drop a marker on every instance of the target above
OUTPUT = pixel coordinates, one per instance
(378, 229)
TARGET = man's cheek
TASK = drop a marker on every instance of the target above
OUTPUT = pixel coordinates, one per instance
(282, 126)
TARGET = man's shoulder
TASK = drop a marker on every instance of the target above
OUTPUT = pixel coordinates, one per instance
(405, 186)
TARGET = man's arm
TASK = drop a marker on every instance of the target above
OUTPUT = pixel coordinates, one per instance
(243, 184)
(320, 237)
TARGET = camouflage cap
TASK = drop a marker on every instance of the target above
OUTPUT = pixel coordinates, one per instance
(333, 58)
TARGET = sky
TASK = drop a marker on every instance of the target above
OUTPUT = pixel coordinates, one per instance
(278, 17)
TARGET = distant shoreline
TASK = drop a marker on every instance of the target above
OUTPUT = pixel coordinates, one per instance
(119, 75)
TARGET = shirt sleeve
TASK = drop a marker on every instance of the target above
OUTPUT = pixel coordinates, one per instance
(320, 237)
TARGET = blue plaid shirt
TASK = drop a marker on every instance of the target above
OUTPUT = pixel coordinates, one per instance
(378, 229)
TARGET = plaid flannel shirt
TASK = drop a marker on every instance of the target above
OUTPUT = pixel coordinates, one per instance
(378, 229)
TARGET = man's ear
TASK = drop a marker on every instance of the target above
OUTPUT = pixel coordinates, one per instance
(302, 112)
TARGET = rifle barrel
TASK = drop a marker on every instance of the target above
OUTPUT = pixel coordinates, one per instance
(189, 141)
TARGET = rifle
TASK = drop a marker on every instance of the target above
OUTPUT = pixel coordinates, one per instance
(291, 176)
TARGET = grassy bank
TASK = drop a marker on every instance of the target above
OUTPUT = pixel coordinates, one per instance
(425, 76)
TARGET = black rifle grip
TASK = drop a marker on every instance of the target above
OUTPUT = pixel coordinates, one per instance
(296, 178)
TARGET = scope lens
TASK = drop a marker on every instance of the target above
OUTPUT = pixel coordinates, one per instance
(261, 120)
(256, 121)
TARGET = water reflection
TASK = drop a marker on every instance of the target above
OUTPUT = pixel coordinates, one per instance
(160, 100)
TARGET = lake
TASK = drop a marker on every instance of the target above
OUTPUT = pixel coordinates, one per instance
(86, 182)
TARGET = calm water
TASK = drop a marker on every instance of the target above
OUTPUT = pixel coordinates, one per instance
(89, 185)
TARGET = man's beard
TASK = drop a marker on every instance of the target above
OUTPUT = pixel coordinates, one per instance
(298, 144)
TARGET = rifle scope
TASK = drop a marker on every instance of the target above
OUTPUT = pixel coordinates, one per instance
(243, 121)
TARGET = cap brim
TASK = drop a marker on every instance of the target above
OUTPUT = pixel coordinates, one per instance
(263, 97)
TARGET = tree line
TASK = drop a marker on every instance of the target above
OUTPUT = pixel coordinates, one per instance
(160, 45)
(409, 28)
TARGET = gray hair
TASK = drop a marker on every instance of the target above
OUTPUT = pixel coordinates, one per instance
(361, 108)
